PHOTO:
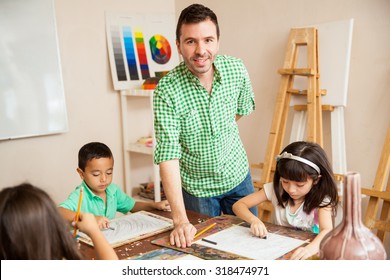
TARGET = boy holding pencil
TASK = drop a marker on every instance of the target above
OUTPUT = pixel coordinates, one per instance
(100, 196)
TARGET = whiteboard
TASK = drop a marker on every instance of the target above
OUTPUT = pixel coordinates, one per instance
(32, 100)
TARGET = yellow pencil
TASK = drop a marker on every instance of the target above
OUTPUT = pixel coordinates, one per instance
(76, 219)
(204, 230)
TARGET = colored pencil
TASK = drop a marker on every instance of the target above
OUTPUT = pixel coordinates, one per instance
(204, 230)
(76, 219)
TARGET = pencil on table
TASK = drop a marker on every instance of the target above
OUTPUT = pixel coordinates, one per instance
(209, 241)
(76, 219)
(204, 230)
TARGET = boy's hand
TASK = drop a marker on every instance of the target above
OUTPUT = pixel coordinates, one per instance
(102, 221)
(162, 205)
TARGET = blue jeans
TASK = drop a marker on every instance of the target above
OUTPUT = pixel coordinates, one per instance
(221, 204)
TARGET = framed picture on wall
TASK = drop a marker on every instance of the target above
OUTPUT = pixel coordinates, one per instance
(140, 46)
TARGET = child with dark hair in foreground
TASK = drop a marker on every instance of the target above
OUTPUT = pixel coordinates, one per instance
(31, 228)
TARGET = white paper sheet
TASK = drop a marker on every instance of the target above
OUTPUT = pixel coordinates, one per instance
(240, 241)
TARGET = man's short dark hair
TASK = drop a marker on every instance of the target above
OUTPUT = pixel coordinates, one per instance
(195, 13)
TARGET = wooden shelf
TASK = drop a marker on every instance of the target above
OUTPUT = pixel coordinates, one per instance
(139, 148)
(137, 118)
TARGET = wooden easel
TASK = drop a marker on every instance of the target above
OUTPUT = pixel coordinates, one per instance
(298, 37)
(380, 192)
(335, 44)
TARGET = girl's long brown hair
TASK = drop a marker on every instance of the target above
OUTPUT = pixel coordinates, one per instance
(31, 228)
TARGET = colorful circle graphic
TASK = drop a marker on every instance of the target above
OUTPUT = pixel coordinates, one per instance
(160, 49)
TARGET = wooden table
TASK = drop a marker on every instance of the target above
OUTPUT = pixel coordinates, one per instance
(200, 221)
(144, 245)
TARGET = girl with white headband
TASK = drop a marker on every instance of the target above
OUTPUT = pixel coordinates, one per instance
(303, 193)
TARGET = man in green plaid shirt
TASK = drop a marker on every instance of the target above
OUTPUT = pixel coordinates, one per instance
(203, 164)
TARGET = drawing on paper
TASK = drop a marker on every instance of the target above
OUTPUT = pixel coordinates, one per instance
(132, 227)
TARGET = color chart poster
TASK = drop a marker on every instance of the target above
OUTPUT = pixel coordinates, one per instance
(140, 46)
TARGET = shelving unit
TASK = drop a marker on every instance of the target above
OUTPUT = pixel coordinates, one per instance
(137, 122)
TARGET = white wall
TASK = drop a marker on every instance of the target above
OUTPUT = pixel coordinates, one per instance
(254, 30)
(92, 104)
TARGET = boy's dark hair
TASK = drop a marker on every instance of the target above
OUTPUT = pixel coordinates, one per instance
(195, 13)
(93, 150)
(323, 187)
